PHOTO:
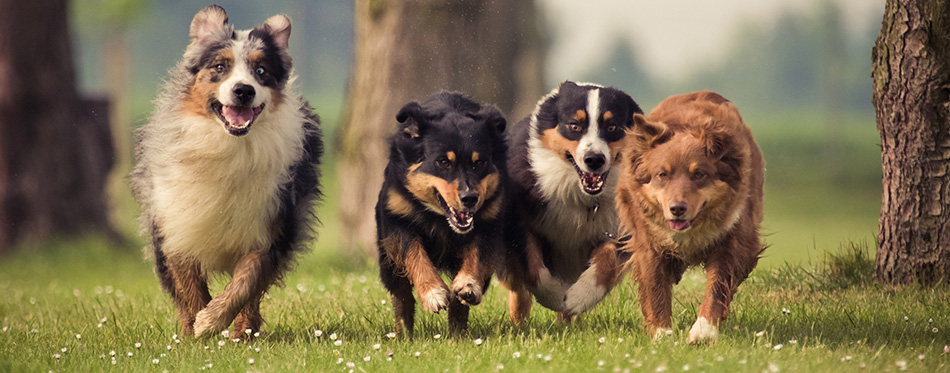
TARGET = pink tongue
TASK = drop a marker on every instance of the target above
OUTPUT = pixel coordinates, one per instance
(238, 116)
(679, 224)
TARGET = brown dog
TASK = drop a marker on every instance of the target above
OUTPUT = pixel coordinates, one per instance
(691, 193)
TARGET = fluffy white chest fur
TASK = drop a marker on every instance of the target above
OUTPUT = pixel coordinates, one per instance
(572, 219)
(216, 196)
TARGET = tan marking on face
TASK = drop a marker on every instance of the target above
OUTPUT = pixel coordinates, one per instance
(450, 156)
(608, 115)
(491, 210)
(487, 187)
(397, 204)
(420, 184)
(553, 141)
(580, 115)
(475, 157)
(203, 89)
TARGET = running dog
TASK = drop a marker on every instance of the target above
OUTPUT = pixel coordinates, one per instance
(690, 193)
(440, 207)
(226, 172)
(562, 222)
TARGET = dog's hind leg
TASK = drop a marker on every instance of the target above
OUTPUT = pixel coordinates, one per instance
(458, 317)
(252, 276)
(655, 277)
(248, 322)
(190, 291)
(404, 305)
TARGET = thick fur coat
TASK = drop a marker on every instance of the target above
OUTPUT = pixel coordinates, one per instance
(562, 224)
(440, 207)
(690, 193)
(226, 171)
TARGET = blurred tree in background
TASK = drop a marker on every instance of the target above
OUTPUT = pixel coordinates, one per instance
(911, 77)
(406, 50)
(55, 147)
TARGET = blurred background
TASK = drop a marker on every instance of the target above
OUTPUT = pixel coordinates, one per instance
(798, 70)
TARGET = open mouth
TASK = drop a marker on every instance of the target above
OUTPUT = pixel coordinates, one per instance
(460, 221)
(680, 225)
(683, 224)
(237, 119)
(591, 182)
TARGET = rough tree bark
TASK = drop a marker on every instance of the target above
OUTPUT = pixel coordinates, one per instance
(408, 49)
(911, 77)
(55, 148)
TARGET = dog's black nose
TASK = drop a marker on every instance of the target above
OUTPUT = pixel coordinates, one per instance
(469, 200)
(594, 161)
(243, 93)
(678, 208)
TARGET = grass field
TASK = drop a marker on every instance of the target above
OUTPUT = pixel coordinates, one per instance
(88, 305)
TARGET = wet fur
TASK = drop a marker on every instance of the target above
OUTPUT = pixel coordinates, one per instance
(693, 152)
(216, 202)
(445, 149)
(560, 237)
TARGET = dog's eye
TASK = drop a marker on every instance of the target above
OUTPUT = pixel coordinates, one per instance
(480, 163)
(219, 68)
(662, 174)
(443, 162)
(698, 175)
(573, 127)
(260, 71)
(611, 128)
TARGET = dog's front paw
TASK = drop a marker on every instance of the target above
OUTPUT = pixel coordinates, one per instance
(467, 290)
(703, 332)
(585, 293)
(435, 299)
(550, 290)
(659, 333)
(209, 323)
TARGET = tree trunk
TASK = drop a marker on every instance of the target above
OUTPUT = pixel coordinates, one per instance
(406, 50)
(911, 78)
(55, 148)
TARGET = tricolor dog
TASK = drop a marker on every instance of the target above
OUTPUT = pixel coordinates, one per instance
(226, 172)
(440, 208)
(690, 193)
(562, 222)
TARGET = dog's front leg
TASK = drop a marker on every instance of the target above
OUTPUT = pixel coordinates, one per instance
(252, 275)
(724, 273)
(467, 284)
(595, 282)
(433, 293)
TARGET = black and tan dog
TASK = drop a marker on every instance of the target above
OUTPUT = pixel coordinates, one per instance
(562, 217)
(440, 207)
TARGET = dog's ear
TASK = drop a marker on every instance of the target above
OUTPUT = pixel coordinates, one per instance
(206, 23)
(493, 118)
(412, 118)
(279, 28)
(721, 146)
(645, 135)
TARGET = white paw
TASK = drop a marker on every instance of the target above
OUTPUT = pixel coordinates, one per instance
(703, 332)
(435, 300)
(208, 324)
(550, 291)
(585, 293)
(662, 332)
(467, 290)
